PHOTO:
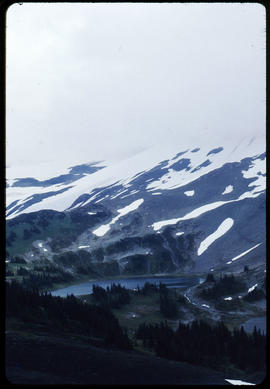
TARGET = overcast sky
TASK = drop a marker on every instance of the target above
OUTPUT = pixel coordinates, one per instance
(103, 81)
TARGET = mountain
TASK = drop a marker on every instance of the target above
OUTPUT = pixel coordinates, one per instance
(162, 210)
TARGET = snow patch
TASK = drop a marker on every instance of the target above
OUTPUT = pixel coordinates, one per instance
(228, 298)
(129, 208)
(83, 247)
(158, 225)
(252, 288)
(222, 229)
(228, 189)
(258, 166)
(189, 193)
(205, 305)
(102, 230)
(204, 208)
(179, 233)
(191, 215)
(238, 382)
(256, 170)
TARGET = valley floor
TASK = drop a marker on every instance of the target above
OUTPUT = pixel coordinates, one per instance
(146, 309)
(253, 314)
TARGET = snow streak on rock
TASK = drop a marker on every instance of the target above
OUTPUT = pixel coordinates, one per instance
(222, 229)
(242, 254)
(201, 210)
(252, 288)
(102, 230)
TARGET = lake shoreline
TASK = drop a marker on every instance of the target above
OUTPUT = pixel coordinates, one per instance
(74, 287)
(84, 279)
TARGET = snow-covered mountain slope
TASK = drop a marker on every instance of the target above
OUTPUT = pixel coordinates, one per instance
(194, 209)
(22, 192)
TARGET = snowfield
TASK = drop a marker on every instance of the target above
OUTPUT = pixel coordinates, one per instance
(198, 166)
(200, 162)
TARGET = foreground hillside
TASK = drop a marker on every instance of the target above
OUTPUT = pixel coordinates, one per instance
(45, 359)
(51, 340)
(60, 360)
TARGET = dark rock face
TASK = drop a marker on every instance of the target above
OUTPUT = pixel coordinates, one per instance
(215, 151)
(76, 172)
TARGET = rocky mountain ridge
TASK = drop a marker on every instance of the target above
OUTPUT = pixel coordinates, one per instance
(201, 209)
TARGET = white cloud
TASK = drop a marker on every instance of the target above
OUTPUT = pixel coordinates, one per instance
(95, 81)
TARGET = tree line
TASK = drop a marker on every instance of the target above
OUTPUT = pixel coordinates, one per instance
(64, 314)
(114, 296)
(225, 285)
(200, 343)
